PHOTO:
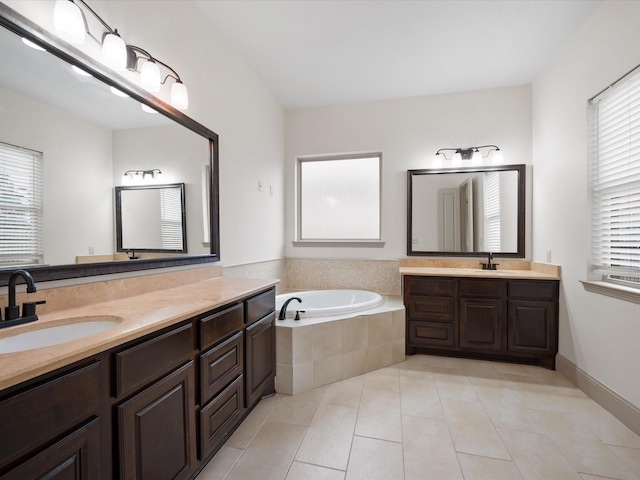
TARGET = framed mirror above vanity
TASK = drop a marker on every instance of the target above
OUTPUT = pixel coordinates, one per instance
(466, 211)
(88, 137)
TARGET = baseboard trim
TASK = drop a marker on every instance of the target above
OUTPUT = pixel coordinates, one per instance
(611, 401)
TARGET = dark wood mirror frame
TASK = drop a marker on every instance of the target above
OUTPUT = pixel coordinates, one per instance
(520, 169)
(24, 27)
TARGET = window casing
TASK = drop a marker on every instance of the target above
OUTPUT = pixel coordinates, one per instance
(614, 182)
(339, 198)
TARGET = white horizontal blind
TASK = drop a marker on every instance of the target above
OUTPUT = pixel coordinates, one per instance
(615, 180)
(171, 218)
(21, 216)
(492, 211)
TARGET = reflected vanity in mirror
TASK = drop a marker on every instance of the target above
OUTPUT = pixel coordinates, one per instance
(88, 136)
(468, 211)
(151, 218)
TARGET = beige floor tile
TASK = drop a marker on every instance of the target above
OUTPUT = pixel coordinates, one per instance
(345, 393)
(513, 369)
(491, 395)
(538, 400)
(297, 409)
(419, 398)
(327, 370)
(428, 450)
(328, 439)
(513, 417)
(305, 471)
(537, 457)
(608, 429)
(381, 381)
(457, 391)
(630, 456)
(483, 468)
(270, 453)
(220, 464)
(383, 426)
(250, 426)
(373, 459)
(378, 402)
(472, 430)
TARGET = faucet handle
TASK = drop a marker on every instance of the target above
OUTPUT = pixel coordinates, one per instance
(12, 312)
(29, 308)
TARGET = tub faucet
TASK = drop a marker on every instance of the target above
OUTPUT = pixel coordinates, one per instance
(283, 310)
(12, 311)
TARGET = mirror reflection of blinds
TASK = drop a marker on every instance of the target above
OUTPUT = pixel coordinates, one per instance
(21, 199)
(614, 118)
(171, 218)
(492, 212)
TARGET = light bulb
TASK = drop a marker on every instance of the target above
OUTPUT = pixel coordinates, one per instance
(146, 108)
(114, 52)
(126, 179)
(179, 96)
(150, 76)
(497, 156)
(68, 22)
(118, 92)
(437, 159)
(477, 157)
(457, 158)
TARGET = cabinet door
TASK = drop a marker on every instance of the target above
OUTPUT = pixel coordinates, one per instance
(260, 365)
(157, 429)
(532, 327)
(75, 457)
(480, 324)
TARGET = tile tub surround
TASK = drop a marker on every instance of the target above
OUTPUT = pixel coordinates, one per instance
(318, 351)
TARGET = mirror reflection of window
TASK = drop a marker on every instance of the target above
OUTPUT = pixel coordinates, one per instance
(492, 212)
(21, 214)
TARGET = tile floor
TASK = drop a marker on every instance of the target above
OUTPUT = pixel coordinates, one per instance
(432, 418)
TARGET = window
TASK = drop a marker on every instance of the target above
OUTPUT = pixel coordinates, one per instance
(614, 118)
(492, 212)
(339, 198)
(20, 206)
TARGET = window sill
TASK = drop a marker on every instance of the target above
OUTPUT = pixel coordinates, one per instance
(339, 243)
(620, 292)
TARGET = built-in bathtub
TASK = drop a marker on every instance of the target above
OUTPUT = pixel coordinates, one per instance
(326, 303)
(341, 334)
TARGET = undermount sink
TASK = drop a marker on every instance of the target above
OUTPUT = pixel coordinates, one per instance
(60, 332)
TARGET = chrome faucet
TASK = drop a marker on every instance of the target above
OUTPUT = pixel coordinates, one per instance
(283, 310)
(12, 311)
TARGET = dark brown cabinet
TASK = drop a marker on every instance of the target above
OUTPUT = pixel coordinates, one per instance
(502, 319)
(154, 408)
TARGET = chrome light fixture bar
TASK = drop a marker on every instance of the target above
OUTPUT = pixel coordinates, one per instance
(472, 153)
(140, 176)
(70, 23)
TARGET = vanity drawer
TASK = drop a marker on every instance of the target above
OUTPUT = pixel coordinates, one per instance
(220, 416)
(481, 287)
(41, 413)
(260, 305)
(423, 307)
(414, 285)
(431, 334)
(220, 365)
(534, 290)
(139, 365)
(220, 325)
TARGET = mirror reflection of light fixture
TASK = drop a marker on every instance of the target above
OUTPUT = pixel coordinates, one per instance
(472, 153)
(70, 23)
(141, 176)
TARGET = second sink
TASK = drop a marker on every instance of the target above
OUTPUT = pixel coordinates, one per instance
(71, 329)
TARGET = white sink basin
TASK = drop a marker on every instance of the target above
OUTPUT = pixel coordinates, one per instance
(71, 329)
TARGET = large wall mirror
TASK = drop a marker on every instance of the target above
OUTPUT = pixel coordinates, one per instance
(88, 138)
(466, 211)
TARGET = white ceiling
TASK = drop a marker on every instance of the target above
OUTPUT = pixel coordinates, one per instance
(326, 52)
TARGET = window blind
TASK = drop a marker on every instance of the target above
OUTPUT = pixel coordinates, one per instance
(492, 211)
(615, 180)
(21, 215)
(171, 218)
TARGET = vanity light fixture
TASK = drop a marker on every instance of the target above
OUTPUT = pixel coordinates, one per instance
(70, 23)
(141, 176)
(472, 153)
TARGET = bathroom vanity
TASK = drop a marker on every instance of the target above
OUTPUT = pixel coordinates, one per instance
(507, 315)
(153, 398)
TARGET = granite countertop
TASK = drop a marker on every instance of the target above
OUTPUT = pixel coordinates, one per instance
(139, 315)
(478, 273)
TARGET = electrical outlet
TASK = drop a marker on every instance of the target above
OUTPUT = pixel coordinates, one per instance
(548, 256)
(92, 250)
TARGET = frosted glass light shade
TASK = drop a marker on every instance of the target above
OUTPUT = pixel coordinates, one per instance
(477, 157)
(457, 158)
(148, 109)
(497, 156)
(179, 96)
(114, 52)
(150, 76)
(68, 22)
